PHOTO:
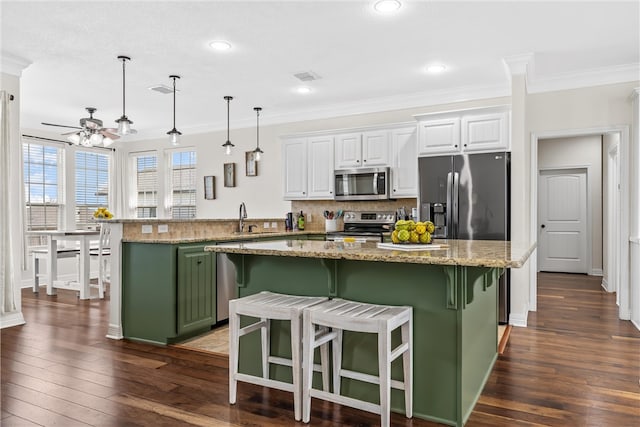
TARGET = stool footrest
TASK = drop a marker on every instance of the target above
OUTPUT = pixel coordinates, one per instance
(398, 351)
(323, 337)
(280, 385)
(252, 327)
(369, 378)
(347, 401)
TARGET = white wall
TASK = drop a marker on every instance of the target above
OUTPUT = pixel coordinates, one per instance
(263, 194)
(580, 152)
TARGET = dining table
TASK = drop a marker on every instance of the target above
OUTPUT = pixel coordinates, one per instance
(85, 237)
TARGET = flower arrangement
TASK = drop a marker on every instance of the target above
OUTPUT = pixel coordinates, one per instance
(102, 213)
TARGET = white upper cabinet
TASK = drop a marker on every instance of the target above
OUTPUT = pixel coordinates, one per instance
(485, 132)
(404, 171)
(320, 166)
(308, 167)
(348, 150)
(362, 149)
(375, 148)
(294, 155)
(464, 131)
(439, 136)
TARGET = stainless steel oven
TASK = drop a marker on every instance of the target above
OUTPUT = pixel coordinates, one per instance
(369, 226)
(362, 184)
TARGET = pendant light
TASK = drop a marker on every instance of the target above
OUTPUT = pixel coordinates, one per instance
(258, 152)
(174, 134)
(124, 124)
(228, 145)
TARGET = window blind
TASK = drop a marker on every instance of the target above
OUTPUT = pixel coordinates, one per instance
(92, 185)
(183, 184)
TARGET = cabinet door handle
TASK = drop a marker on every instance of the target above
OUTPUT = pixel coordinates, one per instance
(199, 261)
(357, 161)
(465, 145)
(364, 161)
(456, 146)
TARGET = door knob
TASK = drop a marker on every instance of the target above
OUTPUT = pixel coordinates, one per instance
(543, 226)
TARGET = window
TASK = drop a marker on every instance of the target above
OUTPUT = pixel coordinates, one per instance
(92, 185)
(183, 184)
(43, 195)
(146, 184)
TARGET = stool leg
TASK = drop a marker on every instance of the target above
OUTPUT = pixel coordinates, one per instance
(324, 363)
(234, 348)
(336, 345)
(308, 342)
(384, 367)
(296, 365)
(407, 367)
(265, 333)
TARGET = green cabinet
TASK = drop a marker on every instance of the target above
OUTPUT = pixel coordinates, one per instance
(168, 291)
(196, 289)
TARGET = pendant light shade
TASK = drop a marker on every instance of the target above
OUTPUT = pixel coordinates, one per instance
(124, 124)
(174, 134)
(228, 145)
(258, 152)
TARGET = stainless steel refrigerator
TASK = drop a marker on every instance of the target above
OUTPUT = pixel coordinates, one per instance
(468, 197)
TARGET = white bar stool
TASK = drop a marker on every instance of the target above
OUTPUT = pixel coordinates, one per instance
(332, 317)
(269, 306)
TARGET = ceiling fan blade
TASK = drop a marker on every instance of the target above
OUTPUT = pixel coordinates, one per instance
(61, 126)
(70, 133)
(105, 132)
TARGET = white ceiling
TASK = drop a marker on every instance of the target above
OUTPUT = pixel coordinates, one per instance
(366, 61)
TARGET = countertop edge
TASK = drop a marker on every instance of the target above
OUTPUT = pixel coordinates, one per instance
(222, 237)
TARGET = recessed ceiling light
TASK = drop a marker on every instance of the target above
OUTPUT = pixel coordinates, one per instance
(436, 68)
(387, 6)
(220, 45)
(303, 89)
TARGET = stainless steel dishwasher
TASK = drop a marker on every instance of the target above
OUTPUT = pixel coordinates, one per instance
(226, 288)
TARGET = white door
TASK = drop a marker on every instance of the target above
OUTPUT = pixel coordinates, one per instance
(562, 205)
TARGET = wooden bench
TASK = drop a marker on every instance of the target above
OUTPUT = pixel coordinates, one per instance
(41, 254)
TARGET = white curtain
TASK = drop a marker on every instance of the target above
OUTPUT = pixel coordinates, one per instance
(11, 218)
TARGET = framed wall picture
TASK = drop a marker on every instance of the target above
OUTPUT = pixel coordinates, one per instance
(251, 163)
(229, 174)
(209, 187)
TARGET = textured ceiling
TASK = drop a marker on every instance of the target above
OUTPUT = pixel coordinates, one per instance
(365, 60)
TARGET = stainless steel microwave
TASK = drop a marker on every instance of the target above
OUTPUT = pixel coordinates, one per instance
(362, 184)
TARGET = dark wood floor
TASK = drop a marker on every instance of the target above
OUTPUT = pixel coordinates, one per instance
(575, 365)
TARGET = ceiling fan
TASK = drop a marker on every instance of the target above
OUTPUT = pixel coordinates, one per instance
(90, 133)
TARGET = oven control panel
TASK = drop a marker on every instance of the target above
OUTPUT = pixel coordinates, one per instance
(372, 217)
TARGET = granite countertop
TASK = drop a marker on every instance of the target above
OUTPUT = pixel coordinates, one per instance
(471, 253)
(221, 237)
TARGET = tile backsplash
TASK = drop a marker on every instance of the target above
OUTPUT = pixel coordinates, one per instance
(317, 207)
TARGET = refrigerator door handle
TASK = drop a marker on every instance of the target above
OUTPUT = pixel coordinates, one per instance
(449, 225)
(456, 182)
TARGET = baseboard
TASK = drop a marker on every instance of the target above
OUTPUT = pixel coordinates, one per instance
(605, 285)
(518, 319)
(114, 332)
(596, 272)
(12, 319)
(636, 324)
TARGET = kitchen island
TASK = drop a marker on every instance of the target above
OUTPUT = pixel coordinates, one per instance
(453, 292)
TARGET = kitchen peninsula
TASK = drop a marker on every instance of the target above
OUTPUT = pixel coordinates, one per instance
(453, 292)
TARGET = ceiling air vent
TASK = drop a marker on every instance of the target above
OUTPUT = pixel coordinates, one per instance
(163, 89)
(306, 76)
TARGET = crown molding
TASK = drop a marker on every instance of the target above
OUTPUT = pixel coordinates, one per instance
(594, 77)
(12, 64)
(519, 64)
(366, 106)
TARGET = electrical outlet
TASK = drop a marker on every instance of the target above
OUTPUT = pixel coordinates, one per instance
(274, 225)
(163, 228)
(265, 225)
(309, 217)
(147, 228)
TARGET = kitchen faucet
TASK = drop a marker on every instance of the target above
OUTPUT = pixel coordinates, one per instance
(243, 216)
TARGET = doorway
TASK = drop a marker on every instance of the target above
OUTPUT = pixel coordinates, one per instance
(621, 135)
(563, 238)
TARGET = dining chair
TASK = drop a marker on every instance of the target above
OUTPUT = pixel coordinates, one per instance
(103, 252)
